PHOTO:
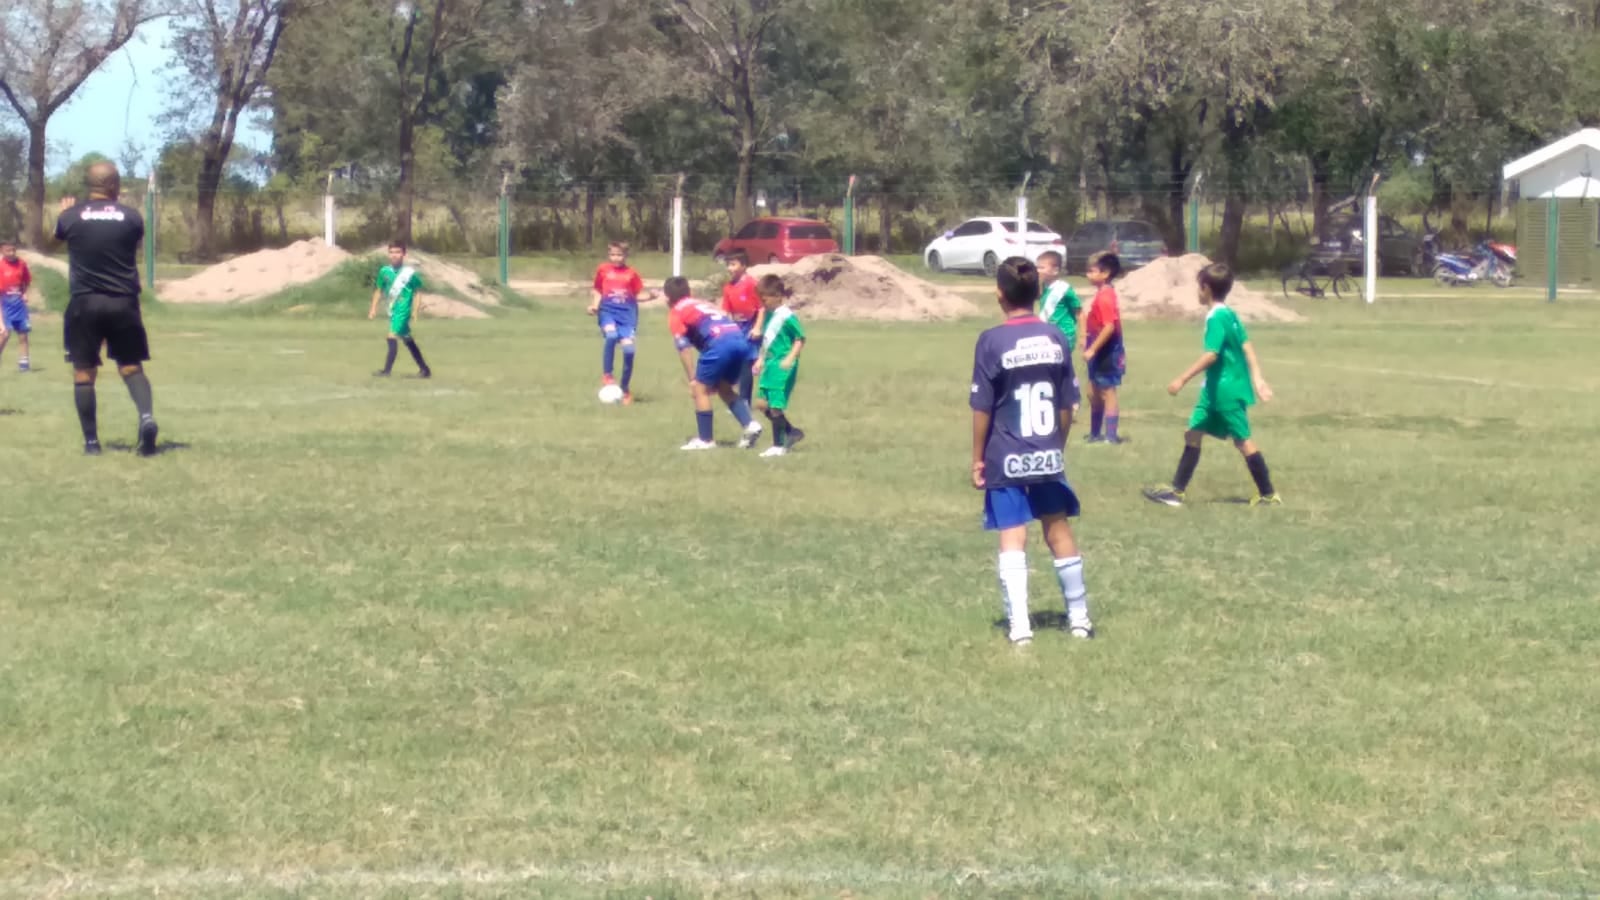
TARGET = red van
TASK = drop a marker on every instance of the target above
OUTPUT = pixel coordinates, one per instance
(779, 240)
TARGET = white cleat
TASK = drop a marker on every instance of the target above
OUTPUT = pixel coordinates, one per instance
(1082, 629)
(752, 433)
(774, 451)
(1022, 640)
(698, 444)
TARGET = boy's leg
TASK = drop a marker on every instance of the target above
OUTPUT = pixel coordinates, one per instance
(1012, 567)
(737, 405)
(1109, 408)
(1069, 573)
(416, 354)
(1189, 461)
(1097, 411)
(1257, 464)
(704, 421)
(388, 359)
(608, 352)
(628, 350)
(22, 340)
(5, 338)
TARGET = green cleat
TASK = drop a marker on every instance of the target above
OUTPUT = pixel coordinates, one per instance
(1267, 500)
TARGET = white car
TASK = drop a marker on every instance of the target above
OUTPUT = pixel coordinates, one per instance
(978, 245)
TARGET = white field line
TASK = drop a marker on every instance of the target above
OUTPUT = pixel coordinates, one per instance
(1435, 376)
(202, 882)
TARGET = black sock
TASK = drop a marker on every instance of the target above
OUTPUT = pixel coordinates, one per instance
(139, 390)
(388, 361)
(1187, 463)
(1258, 470)
(83, 394)
(416, 354)
(780, 428)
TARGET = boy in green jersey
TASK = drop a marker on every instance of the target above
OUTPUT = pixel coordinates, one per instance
(1233, 382)
(778, 365)
(1060, 305)
(400, 283)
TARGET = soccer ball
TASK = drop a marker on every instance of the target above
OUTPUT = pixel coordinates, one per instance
(610, 394)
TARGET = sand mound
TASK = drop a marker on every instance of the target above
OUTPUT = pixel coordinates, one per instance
(1167, 289)
(256, 275)
(863, 287)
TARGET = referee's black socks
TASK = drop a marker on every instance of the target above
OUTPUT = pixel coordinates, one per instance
(139, 390)
(83, 395)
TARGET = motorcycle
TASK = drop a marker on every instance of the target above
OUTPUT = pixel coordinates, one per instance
(1489, 261)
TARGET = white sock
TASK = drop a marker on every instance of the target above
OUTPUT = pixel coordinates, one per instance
(1014, 587)
(1070, 573)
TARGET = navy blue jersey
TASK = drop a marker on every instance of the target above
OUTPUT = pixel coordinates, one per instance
(1022, 376)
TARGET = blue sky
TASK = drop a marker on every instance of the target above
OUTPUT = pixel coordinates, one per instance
(123, 100)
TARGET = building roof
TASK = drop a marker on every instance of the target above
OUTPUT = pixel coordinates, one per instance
(1588, 138)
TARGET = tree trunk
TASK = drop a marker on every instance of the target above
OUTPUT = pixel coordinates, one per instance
(1321, 175)
(743, 211)
(33, 205)
(405, 191)
(461, 225)
(1233, 210)
(203, 244)
(588, 215)
(885, 224)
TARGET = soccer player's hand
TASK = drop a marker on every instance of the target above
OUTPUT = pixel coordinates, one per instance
(758, 366)
(977, 475)
(1175, 386)
(1263, 390)
(593, 308)
(68, 203)
(372, 314)
(786, 364)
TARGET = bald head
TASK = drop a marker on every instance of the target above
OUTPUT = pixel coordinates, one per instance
(103, 181)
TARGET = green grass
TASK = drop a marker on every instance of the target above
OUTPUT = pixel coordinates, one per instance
(480, 636)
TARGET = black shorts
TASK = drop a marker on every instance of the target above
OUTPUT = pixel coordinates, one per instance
(95, 319)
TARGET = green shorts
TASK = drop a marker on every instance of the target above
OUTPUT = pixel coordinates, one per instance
(1231, 422)
(400, 320)
(775, 389)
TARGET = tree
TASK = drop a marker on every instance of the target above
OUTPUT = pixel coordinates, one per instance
(226, 47)
(731, 40)
(48, 48)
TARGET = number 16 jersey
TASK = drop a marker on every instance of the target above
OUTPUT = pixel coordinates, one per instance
(1022, 376)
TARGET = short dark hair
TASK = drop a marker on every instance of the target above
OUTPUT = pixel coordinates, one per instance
(1107, 262)
(771, 286)
(618, 245)
(398, 244)
(738, 256)
(1019, 283)
(676, 288)
(1052, 256)
(1218, 279)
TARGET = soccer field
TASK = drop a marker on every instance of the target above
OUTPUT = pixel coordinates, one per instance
(480, 636)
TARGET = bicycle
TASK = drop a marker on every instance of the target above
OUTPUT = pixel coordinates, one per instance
(1314, 278)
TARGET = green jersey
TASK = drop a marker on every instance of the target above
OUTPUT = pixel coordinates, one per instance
(1228, 379)
(399, 285)
(783, 329)
(1060, 308)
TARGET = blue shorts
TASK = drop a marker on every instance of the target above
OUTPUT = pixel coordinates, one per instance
(618, 320)
(14, 312)
(1107, 369)
(724, 361)
(1009, 507)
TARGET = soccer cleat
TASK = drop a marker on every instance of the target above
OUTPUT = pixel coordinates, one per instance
(91, 448)
(697, 444)
(147, 437)
(1082, 630)
(607, 380)
(774, 451)
(752, 433)
(1166, 495)
(424, 373)
(381, 373)
(1267, 500)
(1021, 640)
(22, 364)
(1119, 439)
(795, 435)
(627, 398)
(1094, 439)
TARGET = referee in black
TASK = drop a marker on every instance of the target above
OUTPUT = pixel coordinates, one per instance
(102, 238)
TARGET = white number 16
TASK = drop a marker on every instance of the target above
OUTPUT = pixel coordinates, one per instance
(1038, 402)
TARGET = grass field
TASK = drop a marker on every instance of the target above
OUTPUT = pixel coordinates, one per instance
(482, 637)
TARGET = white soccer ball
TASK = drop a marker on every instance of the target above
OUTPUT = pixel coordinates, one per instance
(610, 394)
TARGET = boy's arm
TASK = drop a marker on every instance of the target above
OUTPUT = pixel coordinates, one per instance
(1200, 365)
(1263, 390)
(27, 277)
(981, 419)
(794, 354)
(686, 356)
(377, 294)
(1100, 340)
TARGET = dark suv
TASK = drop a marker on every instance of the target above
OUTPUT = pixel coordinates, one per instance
(1136, 243)
(1400, 250)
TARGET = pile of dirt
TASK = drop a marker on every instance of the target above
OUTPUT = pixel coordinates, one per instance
(256, 275)
(833, 286)
(1168, 289)
(438, 273)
